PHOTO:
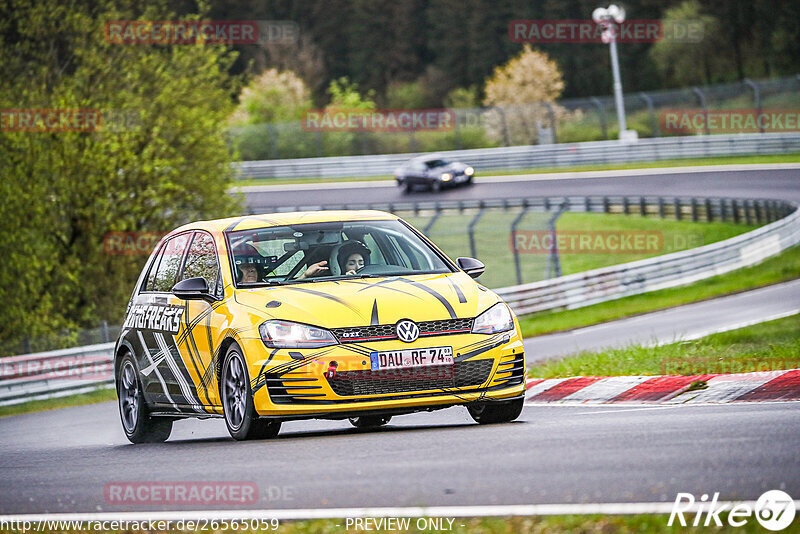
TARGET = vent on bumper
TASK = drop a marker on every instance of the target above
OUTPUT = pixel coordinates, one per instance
(386, 332)
(510, 371)
(368, 382)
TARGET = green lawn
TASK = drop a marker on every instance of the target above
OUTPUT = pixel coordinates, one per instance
(686, 162)
(780, 268)
(101, 395)
(494, 248)
(762, 347)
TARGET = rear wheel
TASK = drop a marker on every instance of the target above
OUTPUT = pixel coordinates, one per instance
(237, 401)
(370, 421)
(495, 412)
(139, 427)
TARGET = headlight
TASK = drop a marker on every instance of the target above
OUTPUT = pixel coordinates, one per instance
(469, 171)
(496, 319)
(446, 176)
(288, 335)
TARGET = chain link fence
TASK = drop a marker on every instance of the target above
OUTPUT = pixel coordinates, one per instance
(567, 121)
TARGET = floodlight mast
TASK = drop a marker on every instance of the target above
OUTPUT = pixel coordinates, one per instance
(608, 18)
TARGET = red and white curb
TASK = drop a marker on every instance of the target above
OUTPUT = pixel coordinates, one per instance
(693, 389)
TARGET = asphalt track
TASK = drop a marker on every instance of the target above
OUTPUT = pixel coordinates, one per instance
(61, 461)
(780, 181)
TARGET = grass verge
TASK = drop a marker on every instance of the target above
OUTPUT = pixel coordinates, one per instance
(101, 395)
(686, 162)
(762, 347)
(780, 268)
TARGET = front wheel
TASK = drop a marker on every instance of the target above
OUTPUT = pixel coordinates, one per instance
(370, 421)
(237, 401)
(495, 412)
(139, 427)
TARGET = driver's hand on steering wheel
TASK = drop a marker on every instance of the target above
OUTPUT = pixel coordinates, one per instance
(315, 269)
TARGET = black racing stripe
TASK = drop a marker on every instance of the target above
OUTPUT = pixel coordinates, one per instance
(191, 347)
(436, 294)
(382, 285)
(480, 350)
(170, 342)
(461, 298)
(324, 295)
(374, 319)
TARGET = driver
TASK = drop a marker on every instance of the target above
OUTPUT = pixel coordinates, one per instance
(249, 264)
(352, 257)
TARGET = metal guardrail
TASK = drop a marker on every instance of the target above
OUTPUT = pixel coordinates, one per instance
(535, 156)
(75, 370)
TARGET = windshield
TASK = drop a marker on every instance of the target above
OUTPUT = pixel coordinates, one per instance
(326, 251)
(438, 163)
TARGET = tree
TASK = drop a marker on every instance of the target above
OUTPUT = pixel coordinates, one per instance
(273, 96)
(684, 63)
(519, 89)
(64, 191)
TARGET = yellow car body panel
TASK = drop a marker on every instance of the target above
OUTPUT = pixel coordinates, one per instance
(179, 345)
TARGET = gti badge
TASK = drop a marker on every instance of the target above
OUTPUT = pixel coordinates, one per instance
(407, 331)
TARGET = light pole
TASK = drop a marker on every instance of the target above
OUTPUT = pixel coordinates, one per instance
(608, 18)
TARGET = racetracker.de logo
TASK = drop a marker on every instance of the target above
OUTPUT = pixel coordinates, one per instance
(191, 32)
(180, 493)
(131, 243)
(378, 120)
(587, 242)
(587, 31)
(685, 121)
(50, 120)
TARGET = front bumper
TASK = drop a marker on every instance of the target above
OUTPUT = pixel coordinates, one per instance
(293, 384)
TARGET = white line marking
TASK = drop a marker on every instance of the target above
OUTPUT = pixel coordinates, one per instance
(410, 511)
(627, 410)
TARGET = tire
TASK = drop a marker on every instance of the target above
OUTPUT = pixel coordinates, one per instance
(408, 188)
(139, 427)
(241, 417)
(370, 421)
(496, 412)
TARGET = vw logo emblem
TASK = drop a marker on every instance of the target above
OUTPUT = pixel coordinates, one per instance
(407, 331)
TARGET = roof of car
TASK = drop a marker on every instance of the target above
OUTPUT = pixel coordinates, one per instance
(248, 222)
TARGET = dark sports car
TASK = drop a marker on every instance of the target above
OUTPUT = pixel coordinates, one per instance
(433, 172)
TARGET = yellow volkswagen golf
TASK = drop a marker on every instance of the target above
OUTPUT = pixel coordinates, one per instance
(329, 314)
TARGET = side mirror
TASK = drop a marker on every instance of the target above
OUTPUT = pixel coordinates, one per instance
(474, 268)
(193, 289)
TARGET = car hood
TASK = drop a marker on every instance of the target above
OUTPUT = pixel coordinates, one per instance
(453, 167)
(367, 301)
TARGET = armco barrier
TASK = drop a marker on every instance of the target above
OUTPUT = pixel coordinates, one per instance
(533, 156)
(75, 370)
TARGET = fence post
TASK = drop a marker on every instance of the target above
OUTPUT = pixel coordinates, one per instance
(104, 330)
(554, 256)
(651, 110)
(273, 141)
(661, 207)
(756, 99)
(694, 210)
(701, 98)
(601, 112)
(642, 207)
(709, 210)
(471, 230)
(552, 116)
(517, 266)
(678, 213)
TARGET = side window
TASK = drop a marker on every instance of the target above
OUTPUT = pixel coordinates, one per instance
(376, 254)
(151, 276)
(170, 262)
(202, 259)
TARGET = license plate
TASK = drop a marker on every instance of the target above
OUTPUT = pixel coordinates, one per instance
(399, 359)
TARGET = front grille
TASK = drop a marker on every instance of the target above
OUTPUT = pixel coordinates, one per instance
(386, 332)
(368, 382)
